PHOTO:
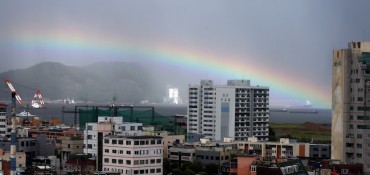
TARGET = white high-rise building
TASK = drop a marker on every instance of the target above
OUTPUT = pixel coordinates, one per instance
(351, 107)
(237, 110)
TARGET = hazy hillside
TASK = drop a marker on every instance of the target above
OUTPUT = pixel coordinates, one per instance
(96, 82)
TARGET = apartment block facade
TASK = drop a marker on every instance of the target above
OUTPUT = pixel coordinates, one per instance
(105, 126)
(350, 104)
(237, 110)
(129, 155)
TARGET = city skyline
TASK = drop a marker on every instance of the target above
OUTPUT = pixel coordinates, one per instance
(284, 45)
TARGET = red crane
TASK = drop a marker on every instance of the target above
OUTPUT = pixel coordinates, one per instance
(37, 101)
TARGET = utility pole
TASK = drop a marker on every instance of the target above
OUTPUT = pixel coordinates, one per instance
(13, 138)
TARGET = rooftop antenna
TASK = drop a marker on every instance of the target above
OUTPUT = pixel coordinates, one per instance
(114, 99)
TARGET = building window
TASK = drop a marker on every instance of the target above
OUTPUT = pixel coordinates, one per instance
(158, 170)
(89, 127)
(106, 160)
(128, 162)
(106, 150)
(114, 142)
(114, 160)
(253, 168)
(159, 142)
(128, 152)
(120, 161)
(159, 160)
(359, 155)
(132, 128)
(344, 171)
(106, 141)
(128, 142)
(114, 151)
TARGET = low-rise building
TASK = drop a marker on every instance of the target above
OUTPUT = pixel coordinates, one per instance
(20, 158)
(242, 165)
(204, 152)
(94, 133)
(285, 167)
(133, 154)
(80, 166)
(168, 140)
(70, 146)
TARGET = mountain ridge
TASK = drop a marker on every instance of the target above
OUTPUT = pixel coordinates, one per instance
(131, 82)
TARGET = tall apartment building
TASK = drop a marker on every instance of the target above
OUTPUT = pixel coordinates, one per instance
(236, 110)
(351, 107)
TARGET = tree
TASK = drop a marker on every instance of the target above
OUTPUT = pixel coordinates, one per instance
(185, 165)
(202, 173)
(177, 171)
(166, 166)
(211, 169)
(196, 167)
(188, 172)
(174, 165)
(272, 135)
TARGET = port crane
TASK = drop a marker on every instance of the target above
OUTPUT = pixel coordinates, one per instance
(37, 100)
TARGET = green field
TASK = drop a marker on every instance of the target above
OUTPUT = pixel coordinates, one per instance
(302, 132)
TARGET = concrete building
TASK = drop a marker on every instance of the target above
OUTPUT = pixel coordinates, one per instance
(94, 133)
(21, 158)
(350, 105)
(168, 140)
(70, 146)
(285, 167)
(80, 166)
(218, 153)
(107, 125)
(129, 155)
(242, 165)
(237, 110)
(3, 120)
(204, 152)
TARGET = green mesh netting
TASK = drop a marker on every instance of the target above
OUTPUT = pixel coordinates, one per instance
(145, 116)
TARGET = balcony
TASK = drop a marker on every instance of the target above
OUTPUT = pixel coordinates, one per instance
(350, 140)
(350, 150)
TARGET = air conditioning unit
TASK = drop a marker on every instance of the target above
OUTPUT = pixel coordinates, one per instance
(283, 170)
(296, 168)
(290, 169)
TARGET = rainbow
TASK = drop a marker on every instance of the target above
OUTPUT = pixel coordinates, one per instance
(284, 85)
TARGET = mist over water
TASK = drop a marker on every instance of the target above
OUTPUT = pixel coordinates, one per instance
(55, 111)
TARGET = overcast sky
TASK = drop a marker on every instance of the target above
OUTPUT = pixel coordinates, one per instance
(294, 37)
